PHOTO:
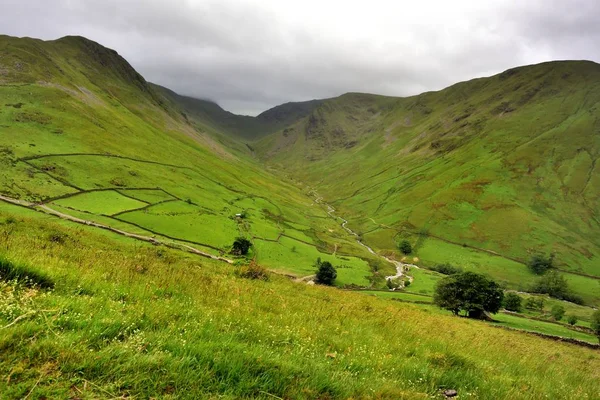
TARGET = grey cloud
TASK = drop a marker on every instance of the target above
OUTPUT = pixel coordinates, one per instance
(242, 55)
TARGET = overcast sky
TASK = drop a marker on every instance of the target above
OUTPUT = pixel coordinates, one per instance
(249, 55)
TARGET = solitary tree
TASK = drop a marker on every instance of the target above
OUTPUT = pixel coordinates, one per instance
(241, 246)
(558, 312)
(572, 320)
(512, 302)
(470, 292)
(405, 247)
(596, 323)
(540, 264)
(326, 273)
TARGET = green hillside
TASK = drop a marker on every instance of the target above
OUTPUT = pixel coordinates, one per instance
(503, 165)
(85, 135)
(120, 201)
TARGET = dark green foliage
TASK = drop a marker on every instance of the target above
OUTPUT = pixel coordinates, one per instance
(513, 302)
(540, 264)
(470, 292)
(555, 285)
(24, 274)
(572, 320)
(558, 312)
(533, 303)
(241, 246)
(405, 247)
(326, 273)
(447, 269)
(595, 323)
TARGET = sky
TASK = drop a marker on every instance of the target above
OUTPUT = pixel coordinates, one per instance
(250, 55)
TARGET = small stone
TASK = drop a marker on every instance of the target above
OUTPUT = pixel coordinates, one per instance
(450, 393)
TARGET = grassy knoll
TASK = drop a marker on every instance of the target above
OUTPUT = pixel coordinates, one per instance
(146, 322)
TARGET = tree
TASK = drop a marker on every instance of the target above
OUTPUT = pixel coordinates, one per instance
(512, 302)
(535, 304)
(596, 323)
(405, 247)
(539, 264)
(241, 246)
(555, 285)
(470, 292)
(558, 312)
(572, 320)
(326, 273)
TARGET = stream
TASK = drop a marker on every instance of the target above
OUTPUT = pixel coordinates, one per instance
(400, 266)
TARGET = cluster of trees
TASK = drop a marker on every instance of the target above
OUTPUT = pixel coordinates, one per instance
(550, 281)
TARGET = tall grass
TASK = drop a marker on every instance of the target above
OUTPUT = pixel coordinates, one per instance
(128, 320)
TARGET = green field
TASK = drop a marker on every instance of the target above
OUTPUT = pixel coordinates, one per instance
(104, 203)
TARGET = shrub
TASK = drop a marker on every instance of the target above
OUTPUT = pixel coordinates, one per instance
(540, 264)
(468, 291)
(558, 312)
(405, 247)
(241, 246)
(406, 282)
(24, 275)
(447, 269)
(533, 303)
(326, 273)
(253, 271)
(572, 320)
(512, 302)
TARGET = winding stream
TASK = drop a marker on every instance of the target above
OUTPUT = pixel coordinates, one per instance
(400, 266)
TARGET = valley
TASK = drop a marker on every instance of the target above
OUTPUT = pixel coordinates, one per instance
(120, 201)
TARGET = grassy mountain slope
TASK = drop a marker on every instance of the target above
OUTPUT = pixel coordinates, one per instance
(505, 164)
(145, 322)
(86, 135)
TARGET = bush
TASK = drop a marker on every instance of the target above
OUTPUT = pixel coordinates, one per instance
(558, 312)
(253, 271)
(595, 323)
(512, 302)
(468, 291)
(447, 269)
(326, 273)
(540, 264)
(572, 320)
(241, 246)
(533, 303)
(405, 247)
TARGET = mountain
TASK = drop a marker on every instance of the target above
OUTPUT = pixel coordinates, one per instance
(209, 115)
(120, 201)
(502, 165)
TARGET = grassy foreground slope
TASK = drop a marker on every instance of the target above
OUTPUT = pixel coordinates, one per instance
(130, 320)
(505, 164)
(84, 134)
